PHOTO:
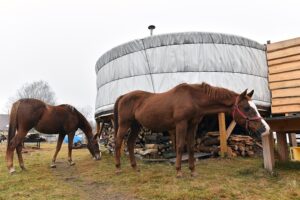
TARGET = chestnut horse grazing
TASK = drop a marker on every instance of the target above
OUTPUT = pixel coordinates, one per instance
(180, 110)
(63, 120)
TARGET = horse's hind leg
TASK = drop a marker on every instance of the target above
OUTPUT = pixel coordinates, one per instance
(16, 140)
(190, 146)
(130, 144)
(70, 147)
(58, 146)
(118, 143)
(20, 157)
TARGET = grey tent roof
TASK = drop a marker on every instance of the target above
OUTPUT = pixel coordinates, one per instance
(160, 62)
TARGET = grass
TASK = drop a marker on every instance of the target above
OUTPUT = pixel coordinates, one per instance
(239, 178)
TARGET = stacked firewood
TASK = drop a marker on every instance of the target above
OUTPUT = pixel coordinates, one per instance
(242, 145)
(239, 145)
(151, 145)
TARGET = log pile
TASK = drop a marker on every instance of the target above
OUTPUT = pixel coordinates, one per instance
(150, 145)
(239, 145)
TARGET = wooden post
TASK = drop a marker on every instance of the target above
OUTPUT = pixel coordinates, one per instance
(223, 135)
(282, 146)
(292, 139)
(268, 151)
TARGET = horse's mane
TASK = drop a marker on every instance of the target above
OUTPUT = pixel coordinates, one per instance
(84, 125)
(216, 93)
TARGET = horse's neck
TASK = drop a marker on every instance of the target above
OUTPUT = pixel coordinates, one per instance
(217, 105)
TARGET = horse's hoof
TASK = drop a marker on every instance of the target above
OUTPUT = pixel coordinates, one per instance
(23, 168)
(179, 175)
(53, 165)
(12, 170)
(72, 163)
(118, 171)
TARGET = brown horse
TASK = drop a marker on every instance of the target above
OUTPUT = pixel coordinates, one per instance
(180, 110)
(63, 120)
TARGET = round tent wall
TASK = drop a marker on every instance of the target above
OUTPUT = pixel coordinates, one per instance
(158, 63)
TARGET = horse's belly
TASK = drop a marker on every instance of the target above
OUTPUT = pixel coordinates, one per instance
(158, 123)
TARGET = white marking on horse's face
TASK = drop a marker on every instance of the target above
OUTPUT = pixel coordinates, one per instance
(267, 127)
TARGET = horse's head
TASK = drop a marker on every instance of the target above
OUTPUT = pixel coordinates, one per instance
(246, 114)
(93, 147)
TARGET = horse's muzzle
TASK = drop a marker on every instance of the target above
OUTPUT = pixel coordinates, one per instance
(97, 156)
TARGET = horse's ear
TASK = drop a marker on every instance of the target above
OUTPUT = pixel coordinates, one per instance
(243, 94)
(250, 94)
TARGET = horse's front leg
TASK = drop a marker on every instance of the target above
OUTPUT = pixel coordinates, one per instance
(70, 147)
(58, 147)
(181, 130)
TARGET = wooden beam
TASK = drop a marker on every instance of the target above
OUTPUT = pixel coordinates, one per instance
(292, 139)
(284, 124)
(223, 135)
(268, 151)
(230, 129)
(282, 146)
(286, 101)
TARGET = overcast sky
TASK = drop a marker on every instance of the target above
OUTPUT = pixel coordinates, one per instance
(60, 41)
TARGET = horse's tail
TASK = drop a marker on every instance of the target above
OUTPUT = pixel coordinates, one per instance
(13, 122)
(116, 115)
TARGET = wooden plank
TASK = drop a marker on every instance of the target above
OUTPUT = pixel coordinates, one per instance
(284, 84)
(282, 146)
(284, 60)
(286, 67)
(289, 92)
(285, 76)
(268, 152)
(286, 101)
(222, 130)
(292, 139)
(283, 44)
(230, 129)
(285, 109)
(284, 53)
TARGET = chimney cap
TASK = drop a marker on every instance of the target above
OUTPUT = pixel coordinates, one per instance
(151, 27)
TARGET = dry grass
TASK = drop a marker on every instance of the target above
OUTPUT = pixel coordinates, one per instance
(218, 179)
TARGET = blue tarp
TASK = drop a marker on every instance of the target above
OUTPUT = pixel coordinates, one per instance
(77, 138)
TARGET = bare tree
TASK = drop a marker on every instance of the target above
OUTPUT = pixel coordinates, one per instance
(38, 90)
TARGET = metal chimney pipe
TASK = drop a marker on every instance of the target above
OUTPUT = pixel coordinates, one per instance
(151, 28)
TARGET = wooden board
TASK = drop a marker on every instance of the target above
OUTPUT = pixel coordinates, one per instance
(283, 44)
(286, 101)
(223, 134)
(284, 60)
(284, 84)
(285, 109)
(286, 67)
(290, 92)
(284, 76)
(284, 53)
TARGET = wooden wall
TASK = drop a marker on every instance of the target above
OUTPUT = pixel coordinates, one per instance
(284, 75)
